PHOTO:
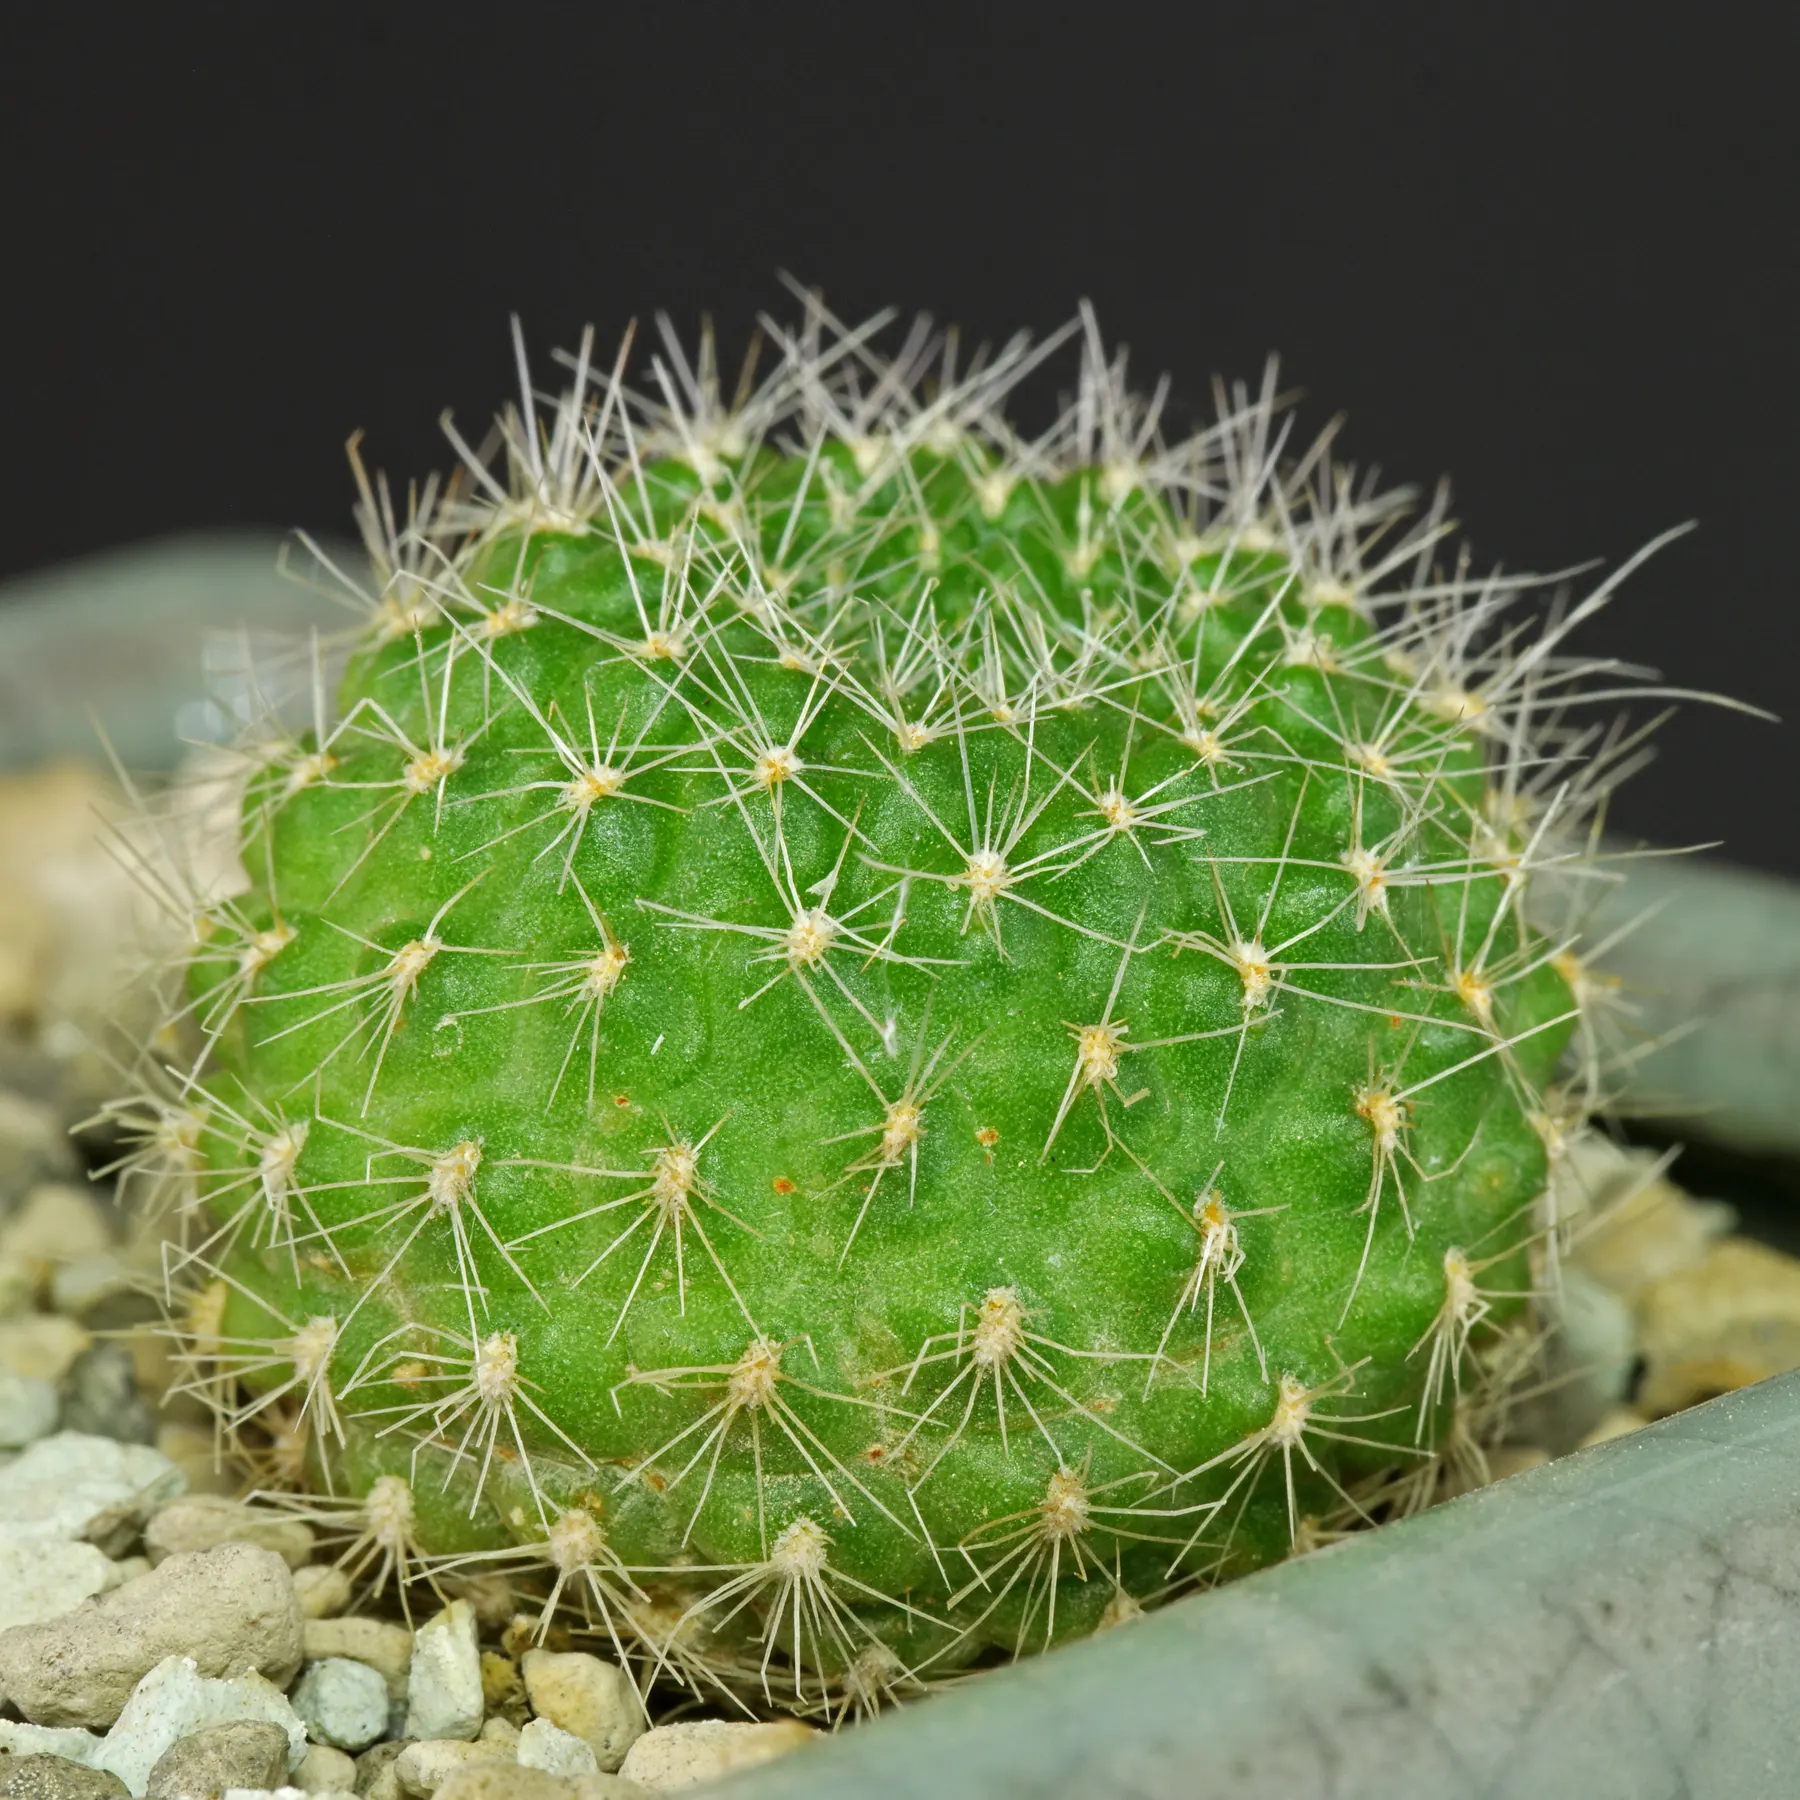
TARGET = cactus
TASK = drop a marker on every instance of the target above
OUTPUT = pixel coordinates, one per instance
(864, 1042)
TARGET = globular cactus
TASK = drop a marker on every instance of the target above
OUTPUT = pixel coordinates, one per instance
(863, 1040)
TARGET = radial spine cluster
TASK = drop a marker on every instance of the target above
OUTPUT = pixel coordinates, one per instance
(851, 1040)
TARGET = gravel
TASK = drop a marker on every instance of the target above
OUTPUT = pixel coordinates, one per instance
(444, 1697)
(229, 1611)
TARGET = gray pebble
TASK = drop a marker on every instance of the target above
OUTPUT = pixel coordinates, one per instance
(344, 1703)
(247, 1753)
(55, 1778)
(100, 1396)
(375, 1774)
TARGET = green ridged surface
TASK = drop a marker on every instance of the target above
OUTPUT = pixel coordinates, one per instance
(1055, 652)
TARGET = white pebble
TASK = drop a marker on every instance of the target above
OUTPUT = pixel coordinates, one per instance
(682, 1756)
(47, 1740)
(344, 1703)
(591, 1698)
(173, 1701)
(377, 1642)
(75, 1486)
(555, 1751)
(47, 1579)
(443, 1686)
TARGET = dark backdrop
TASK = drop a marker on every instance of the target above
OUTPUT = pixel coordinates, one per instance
(1548, 250)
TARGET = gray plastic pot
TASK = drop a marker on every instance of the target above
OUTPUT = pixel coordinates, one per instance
(1623, 1622)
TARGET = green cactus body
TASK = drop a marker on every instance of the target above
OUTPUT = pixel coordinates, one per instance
(864, 1037)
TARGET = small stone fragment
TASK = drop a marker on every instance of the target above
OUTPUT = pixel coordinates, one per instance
(443, 1686)
(17, 1288)
(669, 1757)
(423, 1767)
(56, 1222)
(44, 1580)
(79, 1487)
(382, 1645)
(324, 1770)
(174, 1701)
(85, 1280)
(28, 1410)
(55, 1778)
(228, 1610)
(42, 1740)
(499, 1731)
(555, 1751)
(344, 1703)
(249, 1753)
(495, 1781)
(375, 1775)
(100, 1395)
(587, 1696)
(205, 1521)
(1637, 1228)
(32, 1144)
(1619, 1421)
(323, 1590)
(1728, 1320)
(43, 1346)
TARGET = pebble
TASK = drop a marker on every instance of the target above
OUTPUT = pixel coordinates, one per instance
(323, 1590)
(33, 1144)
(55, 1778)
(443, 1685)
(324, 1770)
(17, 1288)
(377, 1642)
(42, 1345)
(75, 1486)
(1725, 1321)
(423, 1766)
(29, 1410)
(42, 1740)
(344, 1703)
(86, 1280)
(228, 1611)
(205, 1521)
(247, 1753)
(669, 1757)
(582, 1694)
(1617, 1422)
(57, 1222)
(555, 1751)
(174, 1701)
(496, 1781)
(100, 1395)
(376, 1778)
(47, 1579)
(500, 1731)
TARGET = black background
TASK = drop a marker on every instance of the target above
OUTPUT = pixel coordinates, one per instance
(1550, 251)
